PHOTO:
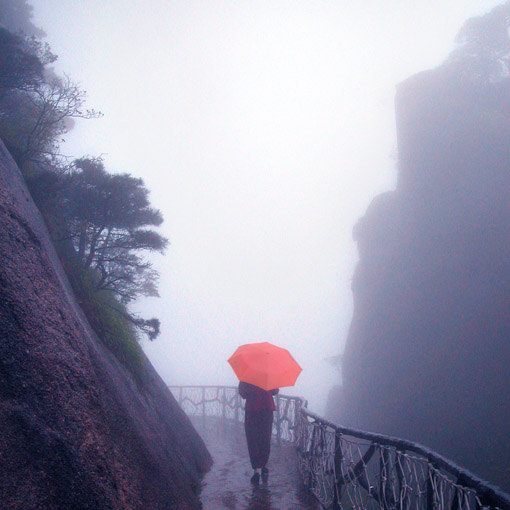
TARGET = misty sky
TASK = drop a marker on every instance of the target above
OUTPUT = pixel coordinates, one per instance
(263, 130)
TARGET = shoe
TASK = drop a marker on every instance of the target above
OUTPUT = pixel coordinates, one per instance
(255, 479)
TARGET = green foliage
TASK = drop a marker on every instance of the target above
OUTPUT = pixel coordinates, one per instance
(98, 219)
(108, 317)
(107, 216)
(483, 46)
(16, 16)
(102, 312)
(20, 66)
(36, 107)
(37, 119)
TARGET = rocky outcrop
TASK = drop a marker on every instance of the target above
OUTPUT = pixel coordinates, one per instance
(428, 352)
(77, 430)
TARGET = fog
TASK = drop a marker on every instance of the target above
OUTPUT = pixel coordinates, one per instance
(263, 130)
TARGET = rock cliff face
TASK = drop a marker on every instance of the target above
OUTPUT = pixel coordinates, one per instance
(76, 431)
(428, 352)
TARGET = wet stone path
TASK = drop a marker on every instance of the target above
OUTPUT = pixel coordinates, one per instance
(227, 485)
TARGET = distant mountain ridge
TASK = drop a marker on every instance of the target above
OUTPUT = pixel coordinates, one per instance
(428, 351)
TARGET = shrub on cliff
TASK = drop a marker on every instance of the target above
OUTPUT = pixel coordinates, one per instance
(99, 223)
(104, 312)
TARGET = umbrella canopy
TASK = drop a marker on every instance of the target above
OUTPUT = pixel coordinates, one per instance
(265, 365)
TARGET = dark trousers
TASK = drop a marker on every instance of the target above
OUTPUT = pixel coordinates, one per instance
(257, 425)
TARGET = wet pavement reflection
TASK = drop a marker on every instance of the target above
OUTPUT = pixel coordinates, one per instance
(227, 485)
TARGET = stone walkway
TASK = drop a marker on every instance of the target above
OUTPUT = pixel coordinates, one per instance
(227, 485)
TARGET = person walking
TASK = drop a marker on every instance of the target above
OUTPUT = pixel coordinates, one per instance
(258, 422)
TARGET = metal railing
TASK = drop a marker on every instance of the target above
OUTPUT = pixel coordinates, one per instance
(351, 469)
(225, 402)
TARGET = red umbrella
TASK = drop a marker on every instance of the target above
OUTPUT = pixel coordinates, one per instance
(265, 365)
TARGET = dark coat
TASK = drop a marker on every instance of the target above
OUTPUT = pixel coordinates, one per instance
(257, 399)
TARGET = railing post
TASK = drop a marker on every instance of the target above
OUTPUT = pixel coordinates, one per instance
(298, 425)
(278, 430)
(313, 443)
(203, 401)
(238, 408)
(430, 488)
(384, 478)
(339, 480)
(223, 403)
(402, 487)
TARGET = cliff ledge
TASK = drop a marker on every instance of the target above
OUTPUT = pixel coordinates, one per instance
(77, 431)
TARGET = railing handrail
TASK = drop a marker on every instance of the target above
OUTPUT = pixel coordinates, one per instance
(489, 493)
(469, 479)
